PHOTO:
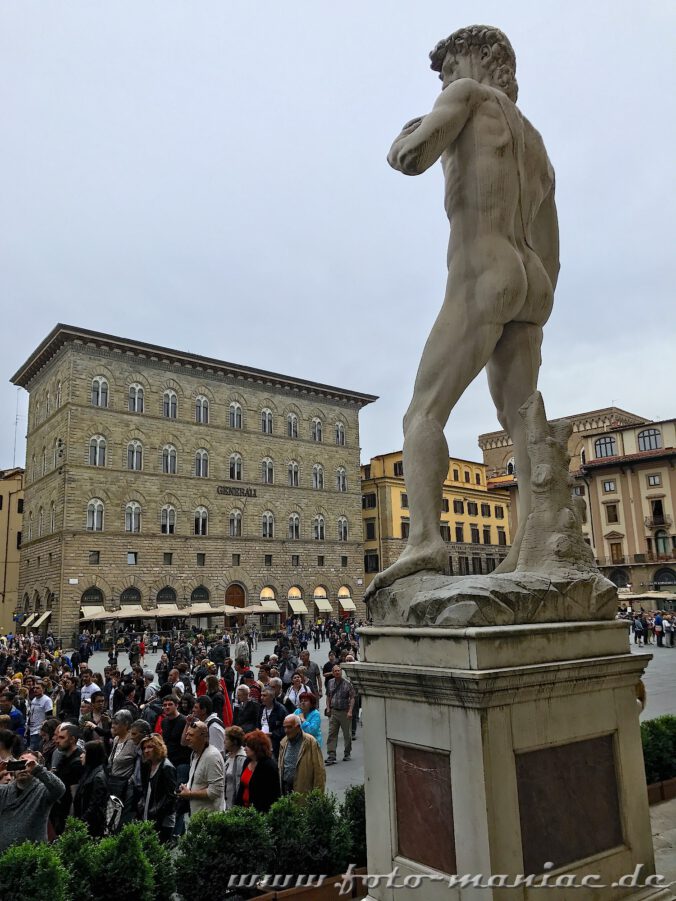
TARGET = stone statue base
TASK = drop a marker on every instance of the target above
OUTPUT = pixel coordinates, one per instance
(504, 753)
(427, 599)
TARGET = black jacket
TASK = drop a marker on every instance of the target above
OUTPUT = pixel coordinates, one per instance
(162, 791)
(264, 786)
(275, 724)
(247, 717)
(91, 800)
(69, 709)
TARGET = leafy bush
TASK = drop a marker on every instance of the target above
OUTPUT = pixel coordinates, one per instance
(78, 855)
(32, 871)
(123, 872)
(164, 877)
(659, 748)
(309, 835)
(218, 846)
(353, 814)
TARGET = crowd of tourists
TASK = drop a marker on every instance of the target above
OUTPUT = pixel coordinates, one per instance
(656, 627)
(194, 726)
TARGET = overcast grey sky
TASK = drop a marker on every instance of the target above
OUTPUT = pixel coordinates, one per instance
(211, 176)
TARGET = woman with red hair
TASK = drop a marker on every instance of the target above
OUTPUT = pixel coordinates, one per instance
(259, 782)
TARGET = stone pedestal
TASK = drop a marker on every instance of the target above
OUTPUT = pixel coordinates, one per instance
(508, 750)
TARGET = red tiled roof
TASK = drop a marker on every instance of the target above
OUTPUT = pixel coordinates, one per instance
(630, 458)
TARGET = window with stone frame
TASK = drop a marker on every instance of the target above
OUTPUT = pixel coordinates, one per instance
(340, 434)
(294, 527)
(136, 398)
(267, 471)
(291, 425)
(132, 517)
(318, 529)
(235, 415)
(201, 521)
(235, 467)
(293, 474)
(266, 421)
(99, 395)
(268, 525)
(235, 524)
(342, 528)
(135, 456)
(97, 450)
(202, 410)
(95, 515)
(169, 459)
(168, 520)
(170, 404)
(202, 463)
(316, 429)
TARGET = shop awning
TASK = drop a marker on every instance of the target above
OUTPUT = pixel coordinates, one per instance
(347, 603)
(298, 605)
(28, 620)
(202, 609)
(323, 605)
(130, 611)
(167, 610)
(92, 613)
(271, 606)
(40, 621)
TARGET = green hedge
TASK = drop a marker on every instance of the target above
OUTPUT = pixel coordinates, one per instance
(659, 748)
(301, 835)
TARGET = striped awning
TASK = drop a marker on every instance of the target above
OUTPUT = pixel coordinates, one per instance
(39, 622)
(347, 603)
(28, 620)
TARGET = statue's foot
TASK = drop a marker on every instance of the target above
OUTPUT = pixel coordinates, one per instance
(425, 557)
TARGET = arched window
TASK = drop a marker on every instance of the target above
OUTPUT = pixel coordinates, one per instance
(166, 595)
(95, 515)
(294, 474)
(235, 415)
(340, 434)
(511, 467)
(294, 527)
(168, 520)
(341, 479)
(583, 456)
(170, 404)
(235, 523)
(58, 452)
(52, 517)
(41, 522)
(342, 528)
(201, 521)
(649, 439)
(97, 451)
(236, 467)
(44, 461)
(99, 391)
(132, 517)
(268, 522)
(292, 425)
(202, 463)
(319, 530)
(36, 414)
(662, 543)
(58, 395)
(267, 471)
(316, 429)
(169, 459)
(136, 396)
(266, 421)
(30, 526)
(130, 595)
(34, 472)
(135, 456)
(48, 406)
(317, 476)
(201, 409)
(605, 447)
(200, 594)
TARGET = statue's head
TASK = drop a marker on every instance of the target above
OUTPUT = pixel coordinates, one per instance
(478, 51)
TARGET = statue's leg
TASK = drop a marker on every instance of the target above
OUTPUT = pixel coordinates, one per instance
(512, 378)
(457, 349)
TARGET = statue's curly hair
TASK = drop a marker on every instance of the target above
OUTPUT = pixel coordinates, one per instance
(495, 52)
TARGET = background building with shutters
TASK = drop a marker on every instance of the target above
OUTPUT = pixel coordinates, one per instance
(474, 520)
(115, 520)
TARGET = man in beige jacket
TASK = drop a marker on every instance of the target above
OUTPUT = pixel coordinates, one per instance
(301, 767)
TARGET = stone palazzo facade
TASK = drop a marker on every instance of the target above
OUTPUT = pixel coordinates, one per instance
(155, 476)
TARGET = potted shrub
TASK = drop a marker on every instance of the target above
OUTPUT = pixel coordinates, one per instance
(78, 856)
(122, 869)
(311, 840)
(353, 813)
(658, 737)
(218, 846)
(32, 871)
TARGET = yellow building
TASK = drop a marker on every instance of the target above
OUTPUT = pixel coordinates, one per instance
(474, 519)
(11, 517)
